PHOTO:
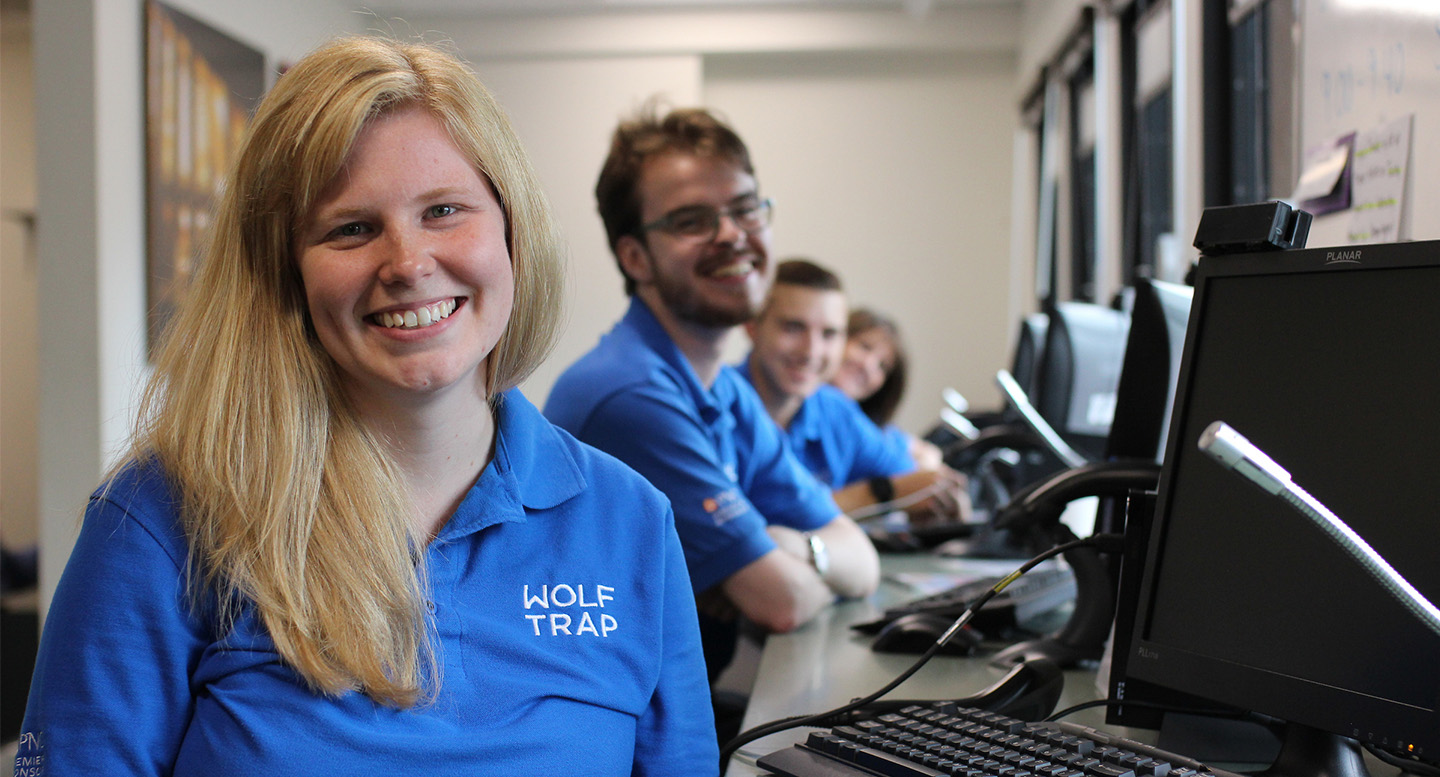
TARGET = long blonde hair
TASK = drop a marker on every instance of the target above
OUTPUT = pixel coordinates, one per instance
(288, 502)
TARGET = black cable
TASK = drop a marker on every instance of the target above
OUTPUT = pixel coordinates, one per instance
(1084, 705)
(1149, 705)
(795, 721)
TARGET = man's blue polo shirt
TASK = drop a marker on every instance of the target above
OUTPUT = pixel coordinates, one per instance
(837, 442)
(714, 452)
(563, 622)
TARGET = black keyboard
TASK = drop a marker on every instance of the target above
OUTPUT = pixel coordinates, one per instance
(1036, 592)
(941, 739)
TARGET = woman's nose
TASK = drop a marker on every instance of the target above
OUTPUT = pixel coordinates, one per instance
(407, 259)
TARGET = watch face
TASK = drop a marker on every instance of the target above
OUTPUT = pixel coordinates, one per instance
(819, 555)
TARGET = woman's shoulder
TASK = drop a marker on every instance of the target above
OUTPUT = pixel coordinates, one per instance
(600, 469)
(138, 484)
(140, 491)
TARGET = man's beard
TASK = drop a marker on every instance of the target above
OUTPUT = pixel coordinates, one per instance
(688, 304)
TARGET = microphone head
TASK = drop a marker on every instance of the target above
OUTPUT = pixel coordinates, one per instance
(1219, 440)
(1234, 452)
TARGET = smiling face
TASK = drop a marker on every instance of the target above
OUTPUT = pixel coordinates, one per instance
(405, 264)
(799, 339)
(719, 282)
(868, 359)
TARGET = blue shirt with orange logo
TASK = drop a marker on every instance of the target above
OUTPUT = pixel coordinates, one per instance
(715, 452)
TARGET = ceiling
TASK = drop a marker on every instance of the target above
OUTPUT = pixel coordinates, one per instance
(483, 7)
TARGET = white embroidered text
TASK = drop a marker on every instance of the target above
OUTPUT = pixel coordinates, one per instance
(570, 610)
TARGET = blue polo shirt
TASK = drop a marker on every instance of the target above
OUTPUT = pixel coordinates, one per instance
(714, 452)
(837, 442)
(563, 622)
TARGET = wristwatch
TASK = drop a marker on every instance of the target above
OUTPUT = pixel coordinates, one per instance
(819, 554)
(883, 488)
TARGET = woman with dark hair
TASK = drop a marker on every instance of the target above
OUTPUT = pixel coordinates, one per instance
(342, 542)
(872, 371)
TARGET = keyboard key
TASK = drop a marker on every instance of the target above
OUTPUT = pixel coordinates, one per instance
(891, 766)
(1065, 757)
(1103, 769)
(1116, 756)
(921, 741)
(1076, 744)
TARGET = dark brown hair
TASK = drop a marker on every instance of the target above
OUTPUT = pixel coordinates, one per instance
(803, 272)
(881, 405)
(692, 131)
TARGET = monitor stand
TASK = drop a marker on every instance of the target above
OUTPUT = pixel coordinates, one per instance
(1083, 637)
(1309, 752)
(1232, 741)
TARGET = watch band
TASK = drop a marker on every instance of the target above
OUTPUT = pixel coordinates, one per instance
(883, 488)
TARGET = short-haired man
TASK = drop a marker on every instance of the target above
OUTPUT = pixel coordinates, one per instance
(799, 340)
(690, 232)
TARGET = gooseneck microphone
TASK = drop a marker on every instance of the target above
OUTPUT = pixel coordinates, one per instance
(1238, 454)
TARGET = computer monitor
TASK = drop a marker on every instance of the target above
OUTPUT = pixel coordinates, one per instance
(1326, 359)
(1029, 350)
(1146, 388)
(1159, 314)
(1150, 371)
(1079, 372)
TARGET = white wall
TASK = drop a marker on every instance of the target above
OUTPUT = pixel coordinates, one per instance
(1046, 23)
(90, 240)
(18, 349)
(884, 138)
(893, 170)
(564, 110)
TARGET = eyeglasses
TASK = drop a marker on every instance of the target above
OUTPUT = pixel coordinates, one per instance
(702, 222)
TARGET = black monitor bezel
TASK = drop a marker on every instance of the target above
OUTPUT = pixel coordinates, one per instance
(1337, 711)
(1149, 371)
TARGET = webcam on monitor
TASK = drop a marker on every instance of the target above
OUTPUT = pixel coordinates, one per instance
(1261, 226)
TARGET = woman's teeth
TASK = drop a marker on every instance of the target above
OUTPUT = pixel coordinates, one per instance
(418, 318)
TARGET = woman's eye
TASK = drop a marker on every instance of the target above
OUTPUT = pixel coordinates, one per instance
(353, 229)
(440, 211)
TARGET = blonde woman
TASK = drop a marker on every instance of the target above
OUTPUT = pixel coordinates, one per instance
(343, 542)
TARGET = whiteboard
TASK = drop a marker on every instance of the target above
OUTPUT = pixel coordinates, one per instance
(1366, 64)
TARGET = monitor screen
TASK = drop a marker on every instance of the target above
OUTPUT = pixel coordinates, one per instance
(1150, 370)
(1080, 371)
(1029, 350)
(1329, 361)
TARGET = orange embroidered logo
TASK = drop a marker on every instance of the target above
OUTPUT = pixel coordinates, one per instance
(725, 506)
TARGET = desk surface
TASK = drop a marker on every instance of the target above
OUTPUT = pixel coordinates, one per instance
(825, 664)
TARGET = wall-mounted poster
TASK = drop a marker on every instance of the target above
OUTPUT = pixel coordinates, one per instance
(200, 88)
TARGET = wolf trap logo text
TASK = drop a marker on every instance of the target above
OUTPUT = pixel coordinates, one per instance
(566, 610)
